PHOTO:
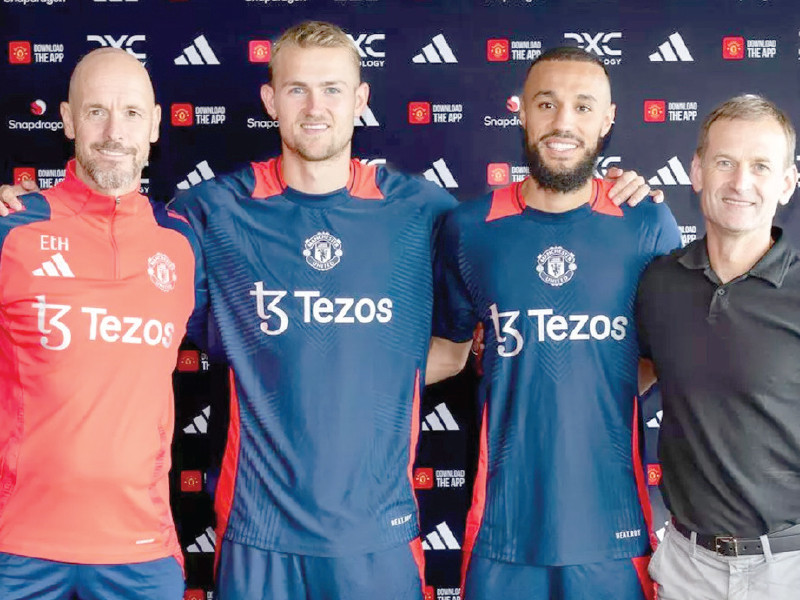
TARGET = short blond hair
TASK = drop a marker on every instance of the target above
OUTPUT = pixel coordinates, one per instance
(749, 107)
(315, 34)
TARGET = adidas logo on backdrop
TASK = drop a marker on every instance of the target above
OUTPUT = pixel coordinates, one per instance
(672, 174)
(440, 174)
(198, 53)
(673, 50)
(438, 51)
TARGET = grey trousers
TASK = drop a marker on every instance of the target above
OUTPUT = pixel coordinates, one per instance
(685, 571)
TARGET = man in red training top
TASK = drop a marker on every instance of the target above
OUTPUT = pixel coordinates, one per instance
(96, 286)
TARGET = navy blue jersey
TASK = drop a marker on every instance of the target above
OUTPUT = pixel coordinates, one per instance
(556, 482)
(322, 304)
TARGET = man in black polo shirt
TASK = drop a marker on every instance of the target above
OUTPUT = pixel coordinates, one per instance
(720, 319)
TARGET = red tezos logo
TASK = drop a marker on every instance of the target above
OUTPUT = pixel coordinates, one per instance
(429, 593)
(498, 50)
(194, 594)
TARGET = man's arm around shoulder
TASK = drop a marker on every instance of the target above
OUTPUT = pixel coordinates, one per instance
(445, 359)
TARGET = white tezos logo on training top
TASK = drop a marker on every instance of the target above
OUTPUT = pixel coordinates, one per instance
(556, 265)
(162, 272)
(323, 251)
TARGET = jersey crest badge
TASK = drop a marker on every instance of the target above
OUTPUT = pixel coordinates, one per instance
(556, 266)
(323, 251)
(162, 272)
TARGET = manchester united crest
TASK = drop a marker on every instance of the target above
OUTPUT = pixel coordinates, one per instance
(162, 272)
(556, 266)
(323, 251)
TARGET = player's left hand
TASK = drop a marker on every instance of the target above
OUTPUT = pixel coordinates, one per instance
(630, 187)
(9, 196)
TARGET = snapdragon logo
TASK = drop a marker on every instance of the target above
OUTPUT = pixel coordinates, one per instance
(254, 123)
(313, 307)
(31, 125)
(37, 108)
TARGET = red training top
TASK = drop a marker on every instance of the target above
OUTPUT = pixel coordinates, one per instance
(95, 293)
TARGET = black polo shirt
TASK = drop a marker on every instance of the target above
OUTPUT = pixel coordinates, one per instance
(728, 362)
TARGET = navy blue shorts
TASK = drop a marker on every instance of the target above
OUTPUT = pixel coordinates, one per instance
(25, 578)
(255, 574)
(624, 579)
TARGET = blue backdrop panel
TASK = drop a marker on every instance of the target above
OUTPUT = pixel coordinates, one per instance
(444, 76)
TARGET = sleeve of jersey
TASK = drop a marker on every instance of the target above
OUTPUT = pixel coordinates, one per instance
(454, 316)
(36, 209)
(197, 327)
(644, 299)
(668, 235)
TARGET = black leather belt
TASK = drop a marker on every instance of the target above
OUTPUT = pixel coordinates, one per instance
(726, 545)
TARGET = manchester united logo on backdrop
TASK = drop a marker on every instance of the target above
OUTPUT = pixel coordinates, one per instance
(323, 251)
(162, 272)
(556, 266)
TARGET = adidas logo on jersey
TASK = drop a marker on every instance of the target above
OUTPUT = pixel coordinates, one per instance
(55, 267)
(204, 543)
(441, 538)
(673, 50)
(655, 422)
(441, 419)
(672, 174)
(440, 174)
(367, 119)
(198, 53)
(200, 423)
(437, 51)
(202, 172)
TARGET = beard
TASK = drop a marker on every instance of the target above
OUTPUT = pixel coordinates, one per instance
(311, 151)
(563, 180)
(308, 154)
(119, 176)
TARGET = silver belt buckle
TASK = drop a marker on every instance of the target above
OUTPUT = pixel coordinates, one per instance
(726, 539)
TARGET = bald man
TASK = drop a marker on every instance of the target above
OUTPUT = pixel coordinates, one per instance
(96, 286)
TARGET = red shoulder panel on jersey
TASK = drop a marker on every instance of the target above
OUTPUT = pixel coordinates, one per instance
(600, 200)
(362, 183)
(269, 181)
(506, 202)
